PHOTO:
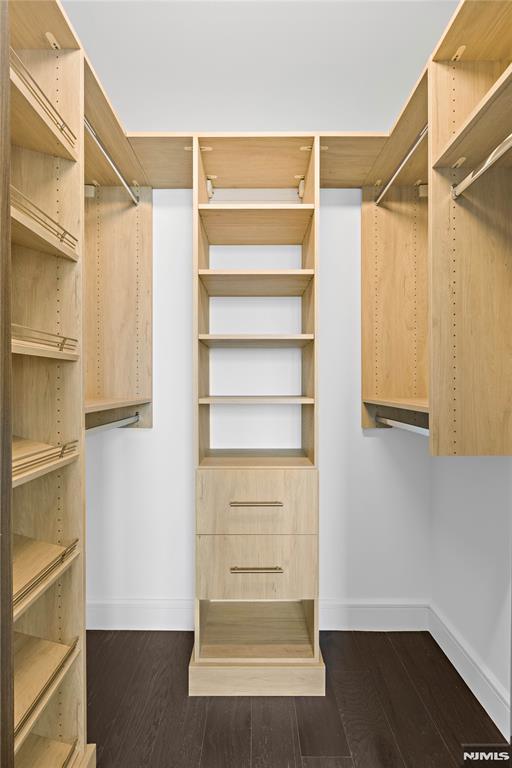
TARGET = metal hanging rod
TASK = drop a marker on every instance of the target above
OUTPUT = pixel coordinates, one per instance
(495, 155)
(114, 424)
(410, 153)
(403, 425)
(107, 157)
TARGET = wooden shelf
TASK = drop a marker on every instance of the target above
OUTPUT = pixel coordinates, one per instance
(255, 630)
(165, 157)
(33, 228)
(28, 341)
(407, 128)
(95, 405)
(105, 122)
(256, 400)
(256, 162)
(32, 459)
(486, 127)
(407, 404)
(240, 282)
(346, 158)
(34, 563)
(245, 340)
(484, 29)
(256, 224)
(37, 663)
(271, 458)
(35, 122)
(40, 752)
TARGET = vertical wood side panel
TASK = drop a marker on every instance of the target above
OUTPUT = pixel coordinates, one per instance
(6, 659)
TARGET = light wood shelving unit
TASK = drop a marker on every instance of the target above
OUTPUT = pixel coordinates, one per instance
(256, 606)
(436, 316)
(118, 270)
(436, 281)
(47, 528)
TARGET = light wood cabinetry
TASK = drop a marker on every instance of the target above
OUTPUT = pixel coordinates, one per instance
(263, 501)
(46, 530)
(436, 278)
(257, 508)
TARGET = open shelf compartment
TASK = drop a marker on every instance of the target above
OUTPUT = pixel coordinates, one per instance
(35, 122)
(35, 563)
(259, 630)
(41, 752)
(38, 663)
(32, 228)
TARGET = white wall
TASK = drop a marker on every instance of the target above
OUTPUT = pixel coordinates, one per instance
(399, 531)
(470, 562)
(374, 493)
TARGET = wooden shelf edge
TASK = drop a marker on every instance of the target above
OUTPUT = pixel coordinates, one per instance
(248, 340)
(20, 93)
(256, 458)
(34, 350)
(40, 588)
(309, 207)
(406, 404)
(45, 697)
(110, 404)
(256, 400)
(29, 234)
(45, 469)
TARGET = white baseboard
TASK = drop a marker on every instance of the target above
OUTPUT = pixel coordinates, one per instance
(122, 613)
(373, 616)
(478, 677)
(334, 614)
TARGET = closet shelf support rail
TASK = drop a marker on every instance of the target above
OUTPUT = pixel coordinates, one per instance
(495, 155)
(404, 162)
(107, 157)
(114, 424)
(403, 425)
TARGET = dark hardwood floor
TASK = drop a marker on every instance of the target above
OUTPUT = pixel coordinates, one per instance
(393, 701)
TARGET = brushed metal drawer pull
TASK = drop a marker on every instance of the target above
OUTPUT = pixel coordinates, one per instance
(256, 504)
(256, 569)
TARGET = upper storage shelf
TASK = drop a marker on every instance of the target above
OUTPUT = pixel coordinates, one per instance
(35, 122)
(256, 162)
(242, 282)
(347, 158)
(256, 224)
(102, 117)
(485, 127)
(33, 228)
(480, 30)
(407, 133)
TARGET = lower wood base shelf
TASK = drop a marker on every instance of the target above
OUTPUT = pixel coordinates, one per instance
(40, 752)
(257, 679)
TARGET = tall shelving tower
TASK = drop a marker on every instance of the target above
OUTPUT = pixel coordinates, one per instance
(256, 630)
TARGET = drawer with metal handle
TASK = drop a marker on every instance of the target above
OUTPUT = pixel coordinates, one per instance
(257, 501)
(257, 567)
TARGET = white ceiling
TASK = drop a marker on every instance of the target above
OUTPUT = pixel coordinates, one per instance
(251, 65)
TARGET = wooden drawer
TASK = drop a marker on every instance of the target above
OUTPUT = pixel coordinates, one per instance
(257, 567)
(257, 501)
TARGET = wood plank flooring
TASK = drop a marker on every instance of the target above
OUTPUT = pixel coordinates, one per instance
(393, 701)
